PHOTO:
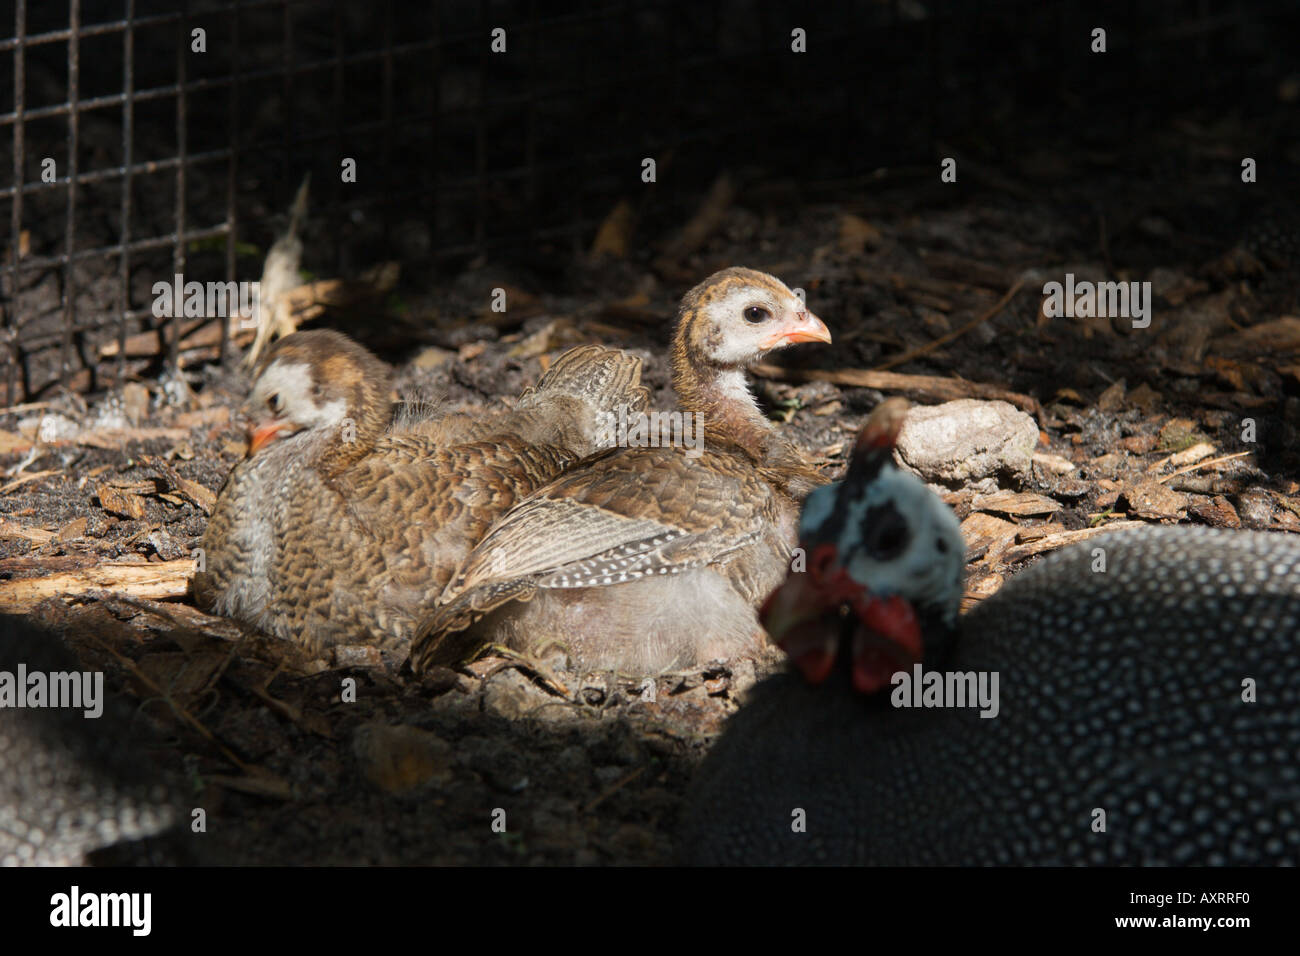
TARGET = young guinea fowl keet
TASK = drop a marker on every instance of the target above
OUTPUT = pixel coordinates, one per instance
(70, 784)
(1147, 709)
(341, 529)
(649, 558)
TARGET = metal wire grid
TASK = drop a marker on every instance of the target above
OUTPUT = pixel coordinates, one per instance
(466, 180)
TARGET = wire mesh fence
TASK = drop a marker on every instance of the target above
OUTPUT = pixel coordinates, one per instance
(154, 138)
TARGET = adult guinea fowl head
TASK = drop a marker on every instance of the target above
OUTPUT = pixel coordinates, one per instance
(876, 546)
(650, 557)
(1134, 699)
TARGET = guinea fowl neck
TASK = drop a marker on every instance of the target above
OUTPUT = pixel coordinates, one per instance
(723, 398)
(356, 436)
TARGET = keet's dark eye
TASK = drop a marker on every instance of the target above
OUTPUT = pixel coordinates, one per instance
(275, 403)
(756, 313)
(941, 545)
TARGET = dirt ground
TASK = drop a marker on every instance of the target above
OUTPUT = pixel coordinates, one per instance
(593, 768)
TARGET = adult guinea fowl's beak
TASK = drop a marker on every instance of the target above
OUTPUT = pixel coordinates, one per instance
(817, 610)
(796, 326)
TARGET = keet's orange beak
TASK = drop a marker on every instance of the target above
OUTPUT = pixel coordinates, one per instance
(262, 434)
(797, 327)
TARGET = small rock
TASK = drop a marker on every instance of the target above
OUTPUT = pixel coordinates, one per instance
(470, 333)
(967, 440)
(1151, 499)
(413, 239)
(1255, 508)
(166, 545)
(255, 733)
(617, 746)
(609, 775)
(572, 762)
(552, 826)
(174, 391)
(1053, 464)
(1070, 488)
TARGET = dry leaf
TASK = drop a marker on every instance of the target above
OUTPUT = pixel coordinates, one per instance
(1015, 503)
(120, 502)
(856, 234)
(12, 442)
(614, 238)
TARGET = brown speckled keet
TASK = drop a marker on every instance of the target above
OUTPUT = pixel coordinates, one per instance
(650, 558)
(341, 529)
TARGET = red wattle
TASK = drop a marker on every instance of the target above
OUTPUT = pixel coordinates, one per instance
(815, 664)
(873, 670)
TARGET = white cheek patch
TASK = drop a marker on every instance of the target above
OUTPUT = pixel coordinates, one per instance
(739, 339)
(292, 382)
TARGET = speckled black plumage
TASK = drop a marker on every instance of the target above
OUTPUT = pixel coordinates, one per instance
(70, 785)
(1120, 690)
